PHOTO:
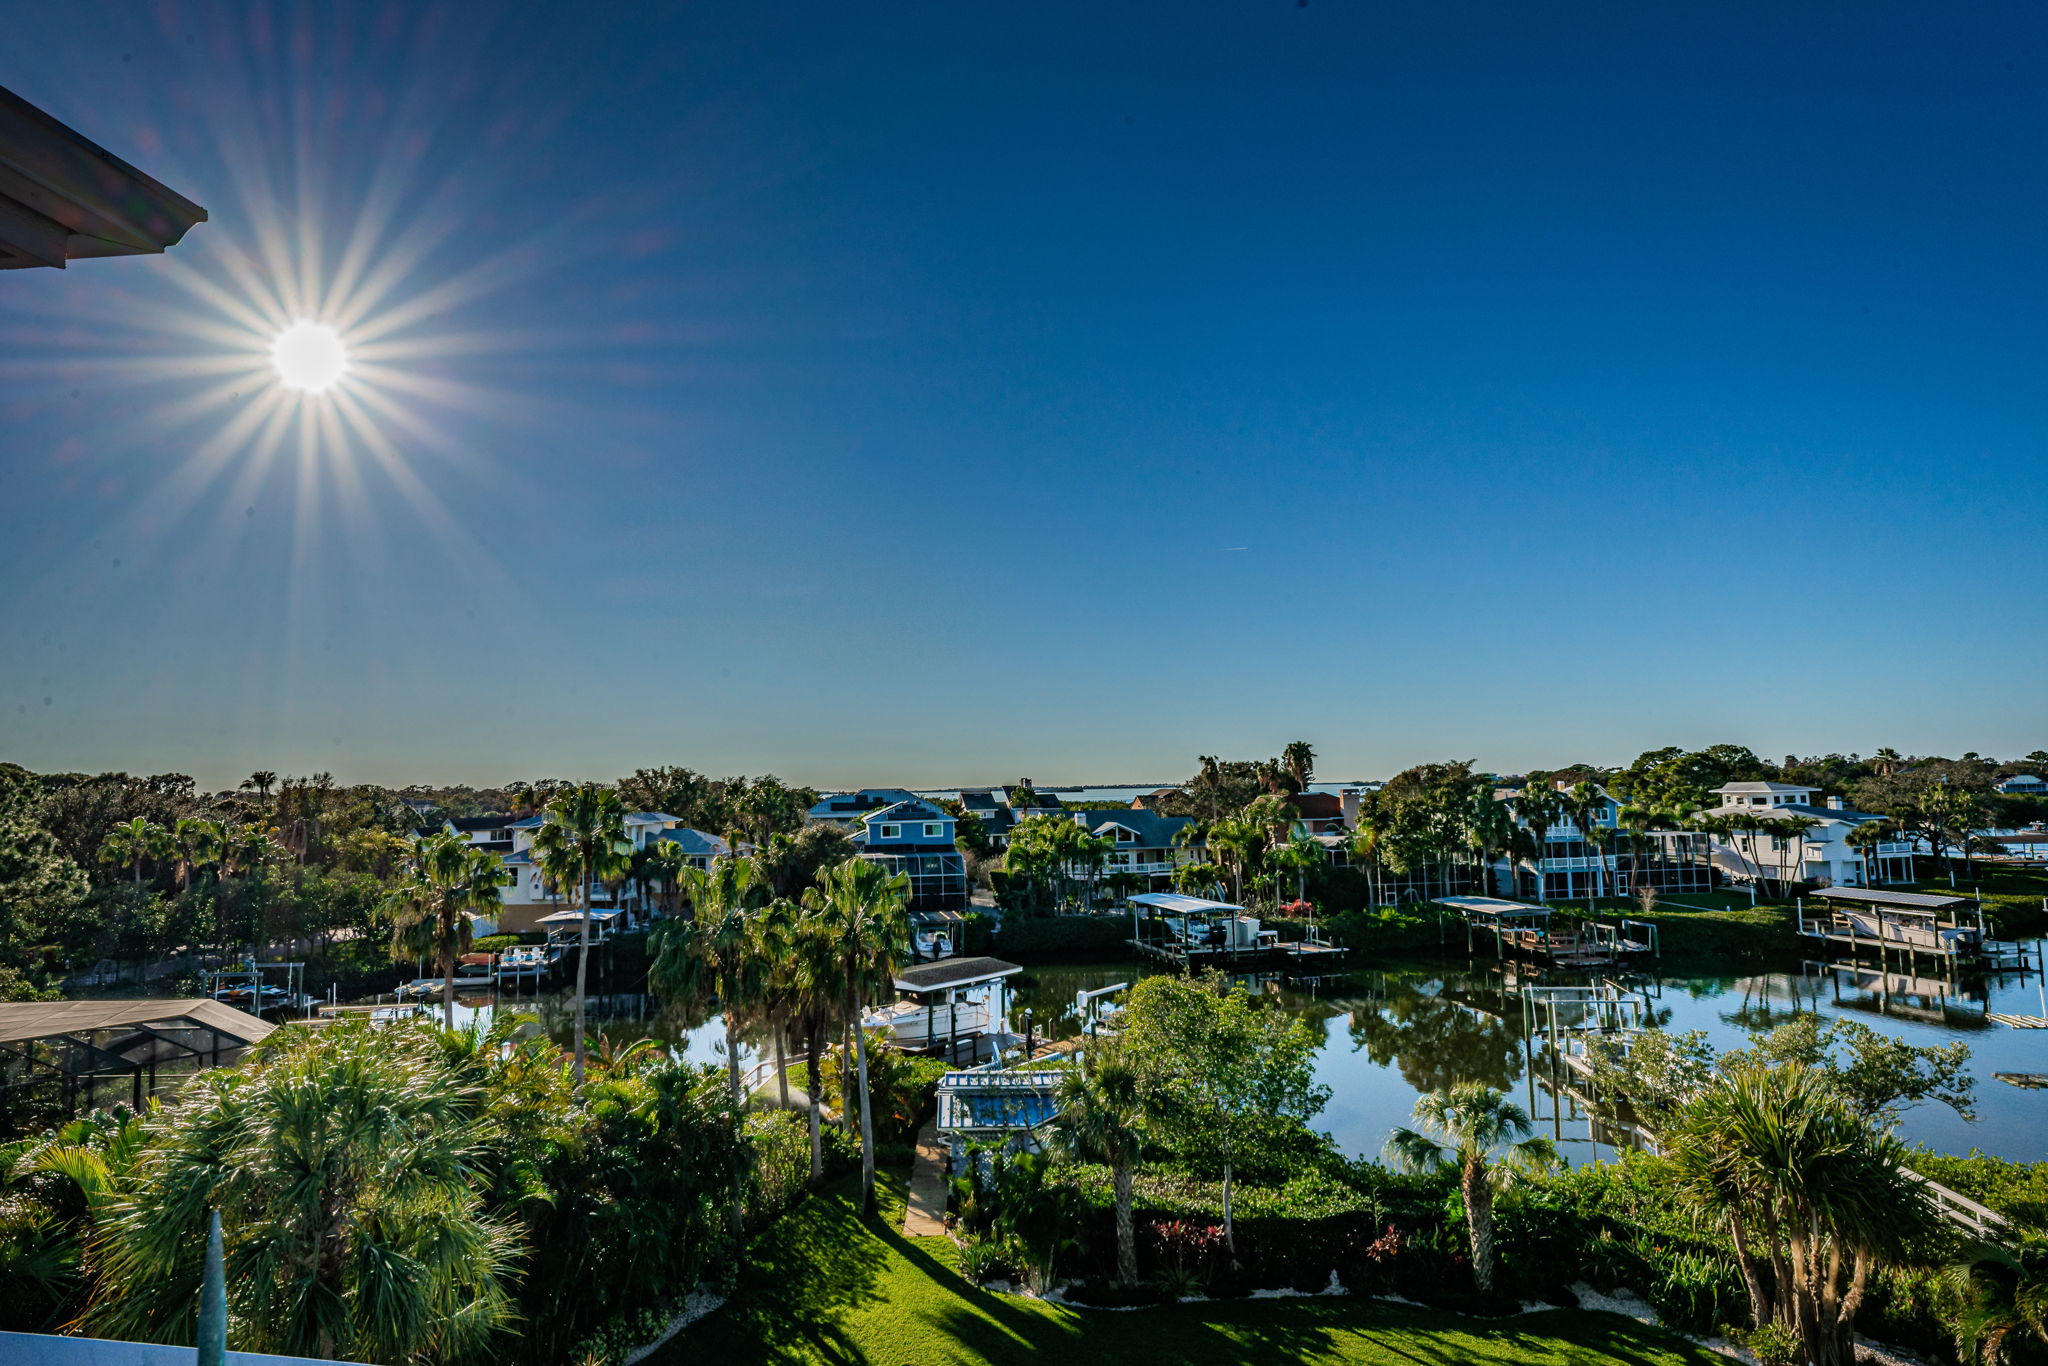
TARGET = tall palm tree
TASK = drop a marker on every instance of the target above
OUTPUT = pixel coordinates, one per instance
(446, 880)
(1102, 1119)
(260, 782)
(859, 907)
(1865, 839)
(195, 843)
(1887, 761)
(1301, 853)
(134, 843)
(1486, 1137)
(1211, 779)
(811, 961)
(1299, 759)
(1813, 1197)
(1586, 804)
(718, 956)
(662, 865)
(1540, 806)
(582, 840)
(1233, 840)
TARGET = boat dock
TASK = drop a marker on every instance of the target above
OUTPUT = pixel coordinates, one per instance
(1191, 933)
(1522, 930)
(1911, 927)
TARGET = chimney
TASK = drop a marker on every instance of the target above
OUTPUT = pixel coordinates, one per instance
(1835, 804)
(1348, 800)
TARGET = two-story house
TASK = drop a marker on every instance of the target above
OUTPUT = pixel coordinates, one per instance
(848, 809)
(1820, 854)
(530, 896)
(1613, 860)
(915, 837)
(1142, 842)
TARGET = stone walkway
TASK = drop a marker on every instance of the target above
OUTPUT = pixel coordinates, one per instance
(925, 1213)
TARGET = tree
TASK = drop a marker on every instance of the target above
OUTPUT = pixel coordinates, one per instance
(1299, 854)
(2001, 1294)
(38, 882)
(446, 881)
(793, 862)
(1812, 1197)
(134, 843)
(1218, 1067)
(260, 782)
(661, 867)
(1299, 759)
(1865, 839)
(813, 985)
(1102, 1119)
(1877, 1076)
(859, 910)
(1586, 805)
(1468, 1127)
(582, 840)
(195, 844)
(344, 1170)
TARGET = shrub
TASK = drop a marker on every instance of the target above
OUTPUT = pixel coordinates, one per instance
(1773, 1345)
(1693, 1292)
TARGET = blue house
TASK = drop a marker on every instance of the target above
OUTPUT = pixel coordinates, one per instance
(916, 837)
(850, 808)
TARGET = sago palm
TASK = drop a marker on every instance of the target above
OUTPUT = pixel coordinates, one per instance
(1486, 1137)
(582, 840)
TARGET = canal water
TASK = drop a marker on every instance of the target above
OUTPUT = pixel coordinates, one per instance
(1386, 1036)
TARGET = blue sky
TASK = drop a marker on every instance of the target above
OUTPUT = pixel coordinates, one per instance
(938, 393)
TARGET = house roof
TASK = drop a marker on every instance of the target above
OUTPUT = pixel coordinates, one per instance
(64, 198)
(1318, 806)
(465, 824)
(1153, 830)
(953, 972)
(1825, 815)
(915, 809)
(23, 1020)
(696, 843)
(651, 818)
(1760, 789)
(847, 805)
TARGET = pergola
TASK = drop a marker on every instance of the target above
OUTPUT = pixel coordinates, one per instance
(84, 1048)
(64, 198)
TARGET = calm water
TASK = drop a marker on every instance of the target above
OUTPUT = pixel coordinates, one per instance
(1387, 1036)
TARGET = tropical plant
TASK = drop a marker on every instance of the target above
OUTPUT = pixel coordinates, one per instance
(1486, 1138)
(446, 881)
(1102, 1119)
(581, 841)
(719, 955)
(2001, 1296)
(133, 843)
(1813, 1198)
(1299, 759)
(858, 909)
(343, 1168)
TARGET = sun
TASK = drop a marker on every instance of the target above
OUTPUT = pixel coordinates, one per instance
(309, 357)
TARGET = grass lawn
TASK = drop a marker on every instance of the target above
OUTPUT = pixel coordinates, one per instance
(825, 1285)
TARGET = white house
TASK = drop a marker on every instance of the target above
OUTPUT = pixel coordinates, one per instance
(1821, 854)
(528, 897)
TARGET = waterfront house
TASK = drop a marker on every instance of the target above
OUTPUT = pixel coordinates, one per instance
(915, 837)
(2021, 785)
(848, 809)
(1611, 860)
(529, 896)
(1821, 854)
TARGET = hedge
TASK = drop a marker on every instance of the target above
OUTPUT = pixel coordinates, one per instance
(1055, 938)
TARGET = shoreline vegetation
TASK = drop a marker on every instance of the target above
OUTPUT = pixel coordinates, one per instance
(559, 1200)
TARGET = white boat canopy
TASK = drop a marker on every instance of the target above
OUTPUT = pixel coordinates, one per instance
(953, 973)
(576, 917)
(1173, 903)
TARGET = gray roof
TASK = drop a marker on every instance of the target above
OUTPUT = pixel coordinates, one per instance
(1905, 901)
(1153, 830)
(953, 972)
(695, 842)
(915, 809)
(1825, 815)
(23, 1020)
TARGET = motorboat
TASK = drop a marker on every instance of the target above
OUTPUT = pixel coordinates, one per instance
(914, 1024)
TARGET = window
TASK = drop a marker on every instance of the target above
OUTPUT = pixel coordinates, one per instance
(934, 829)
(890, 832)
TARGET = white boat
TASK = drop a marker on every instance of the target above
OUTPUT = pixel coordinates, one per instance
(933, 945)
(915, 1025)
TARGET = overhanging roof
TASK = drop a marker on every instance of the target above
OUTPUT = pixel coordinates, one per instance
(953, 972)
(1492, 906)
(1905, 901)
(21, 1021)
(64, 198)
(1178, 904)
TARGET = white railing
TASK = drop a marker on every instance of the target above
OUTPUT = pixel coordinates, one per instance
(1962, 1210)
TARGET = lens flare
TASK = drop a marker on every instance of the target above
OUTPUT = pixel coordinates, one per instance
(309, 357)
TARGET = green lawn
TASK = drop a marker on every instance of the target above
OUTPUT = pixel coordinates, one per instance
(824, 1285)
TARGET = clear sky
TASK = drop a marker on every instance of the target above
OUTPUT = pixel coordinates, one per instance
(928, 393)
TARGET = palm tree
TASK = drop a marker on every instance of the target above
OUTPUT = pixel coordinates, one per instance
(718, 956)
(1211, 779)
(1467, 1126)
(1299, 759)
(582, 840)
(446, 880)
(1586, 804)
(814, 993)
(260, 782)
(1813, 1198)
(133, 843)
(1102, 1119)
(1787, 834)
(859, 907)
(345, 1172)
(1865, 839)
(1886, 761)
(662, 865)
(195, 843)
(1540, 807)
(1301, 853)
(1232, 841)
(2002, 1293)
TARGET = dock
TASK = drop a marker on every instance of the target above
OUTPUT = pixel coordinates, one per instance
(1911, 927)
(1522, 930)
(1191, 933)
